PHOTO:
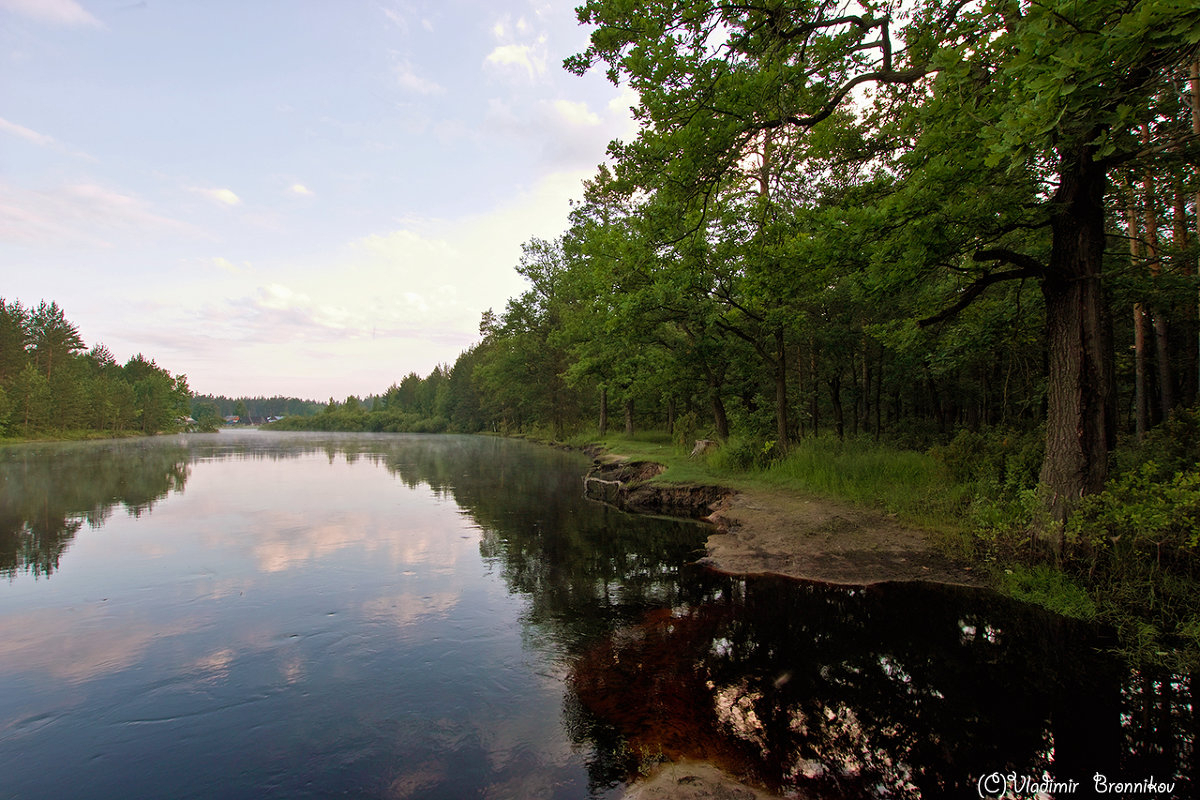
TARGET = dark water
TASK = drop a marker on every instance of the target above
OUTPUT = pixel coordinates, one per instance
(290, 615)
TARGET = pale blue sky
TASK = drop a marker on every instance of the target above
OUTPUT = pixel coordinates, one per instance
(300, 197)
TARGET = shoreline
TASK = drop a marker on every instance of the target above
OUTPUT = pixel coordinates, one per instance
(763, 532)
(759, 532)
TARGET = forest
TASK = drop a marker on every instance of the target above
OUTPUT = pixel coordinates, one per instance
(51, 385)
(966, 229)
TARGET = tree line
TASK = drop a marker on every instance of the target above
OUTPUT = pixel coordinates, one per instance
(970, 225)
(865, 220)
(213, 409)
(51, 383)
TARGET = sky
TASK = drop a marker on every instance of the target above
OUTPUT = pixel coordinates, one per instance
(308, 198)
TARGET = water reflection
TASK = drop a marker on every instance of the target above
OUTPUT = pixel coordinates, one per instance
(48, 493)
(413, 617)
(900, 691)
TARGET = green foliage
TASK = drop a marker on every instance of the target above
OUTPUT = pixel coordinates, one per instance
(1050, 588)
(1142, 516)
(51, 388)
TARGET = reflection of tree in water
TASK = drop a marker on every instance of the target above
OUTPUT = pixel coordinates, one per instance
(50, 492)
(895, 691)
(585, 567)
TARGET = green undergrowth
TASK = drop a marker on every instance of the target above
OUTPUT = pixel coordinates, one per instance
(912, 485)
(1131, 559)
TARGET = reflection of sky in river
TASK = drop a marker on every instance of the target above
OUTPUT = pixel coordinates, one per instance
(315, 622)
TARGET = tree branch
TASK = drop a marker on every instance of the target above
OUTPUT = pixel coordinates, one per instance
(977, 288)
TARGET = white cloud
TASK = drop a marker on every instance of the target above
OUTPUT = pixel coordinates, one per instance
(25, 133)
(576, 114)
(222, 196)
(409, 80)
(39, 139)
(78, 215)
(300, 189)
(395, 17)
(531, 58)
(57, 12)
(229, 266)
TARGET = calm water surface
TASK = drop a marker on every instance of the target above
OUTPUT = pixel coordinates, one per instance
(290, 615)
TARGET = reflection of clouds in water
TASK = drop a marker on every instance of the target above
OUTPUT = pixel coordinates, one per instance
(87, 642)
(294, 513)
(214, 666)
(409, 607)
(292, 670)
(285, 540)
(430, 537)
(513, 737)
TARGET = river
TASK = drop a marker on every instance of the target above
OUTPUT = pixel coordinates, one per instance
(253, 614)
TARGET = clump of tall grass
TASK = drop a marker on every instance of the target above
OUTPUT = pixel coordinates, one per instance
(908, 483)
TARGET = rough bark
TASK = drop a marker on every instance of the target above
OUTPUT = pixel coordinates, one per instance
(1080, 396)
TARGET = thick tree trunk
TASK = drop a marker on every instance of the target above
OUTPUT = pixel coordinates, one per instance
(1080, 397)
(629, 418)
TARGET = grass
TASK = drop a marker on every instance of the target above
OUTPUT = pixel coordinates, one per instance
(912, 485)
(69, 436)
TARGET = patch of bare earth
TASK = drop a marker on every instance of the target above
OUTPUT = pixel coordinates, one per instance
(692, 780)
(822, 540)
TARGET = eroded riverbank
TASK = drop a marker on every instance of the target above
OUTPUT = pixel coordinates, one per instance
(778, 532)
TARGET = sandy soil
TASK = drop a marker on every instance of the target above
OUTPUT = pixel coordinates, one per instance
(816, 539)
(692, 780)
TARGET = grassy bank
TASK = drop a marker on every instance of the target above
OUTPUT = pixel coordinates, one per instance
(916, 487)
(70, 436)
(1131, 557)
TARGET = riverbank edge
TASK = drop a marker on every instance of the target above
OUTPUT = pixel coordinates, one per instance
(761, 532)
